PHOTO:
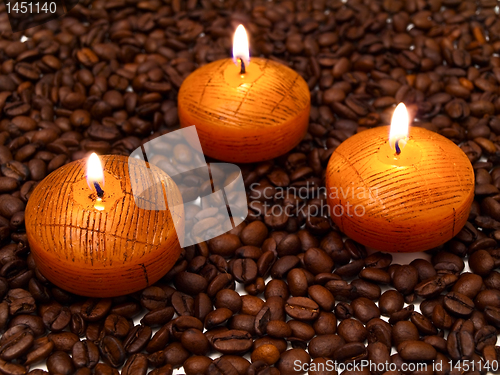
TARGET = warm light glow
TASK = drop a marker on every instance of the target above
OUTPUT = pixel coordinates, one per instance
(399, 127)
(240, 46)
(99, 206)
(94, 171)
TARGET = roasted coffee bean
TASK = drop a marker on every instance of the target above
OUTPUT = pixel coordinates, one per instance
(85, 354)
(481, 262)
(302, 308)
(414, 350)
(423, 324)
(104, 369)
(390, 302)
(95, 309)
(485, 336)
(112, 351)
(468, 284)
(351, 330)
(322, 297)
(195, 341)
(458, 304)
(352, 351)
(63, 341)
(158, 316)
(267, 353)
(40, 350)
(365, 309)
(16, 346)
(197, 365)
(229, 299)
(404, 331)
(405, 279)
(232, 342)
(460, 345)
(325, 345)
(287, 360)
(60, 363)
(135, 364)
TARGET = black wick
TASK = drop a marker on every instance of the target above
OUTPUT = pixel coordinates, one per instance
(398, 149)
(98, 189)
(243, 69)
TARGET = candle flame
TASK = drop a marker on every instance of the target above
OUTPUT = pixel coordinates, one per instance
(399, 128)
(94, 171)
(240, 46)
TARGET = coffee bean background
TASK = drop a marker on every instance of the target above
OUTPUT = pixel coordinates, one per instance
(285, 285)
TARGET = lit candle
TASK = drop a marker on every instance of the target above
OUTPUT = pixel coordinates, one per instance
(399, 189)
(89, 237)
(245, 110)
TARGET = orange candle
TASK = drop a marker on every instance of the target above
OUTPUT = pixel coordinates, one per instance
(246, 112)
(89, 237)
(399, 191)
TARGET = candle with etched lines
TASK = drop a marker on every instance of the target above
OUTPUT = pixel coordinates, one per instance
(399, 188)
(245, 110)
(88, 235)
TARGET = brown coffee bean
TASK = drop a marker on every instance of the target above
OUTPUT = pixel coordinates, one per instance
(325, 345)
(232, 342)
(85, 354)
(112, 351)
(60, 363)
(302, 308)
(267, 353)
(458, 304)
(481, 262)
(94, 310)
(351, 330)
(405, 279)
(413, 350)
(287, 360)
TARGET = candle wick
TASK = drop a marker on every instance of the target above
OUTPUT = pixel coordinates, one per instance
(98, 189)
(243, 68)
(398, 149)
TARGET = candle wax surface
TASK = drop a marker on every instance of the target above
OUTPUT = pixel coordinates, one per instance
(249, 117)
(414, 201)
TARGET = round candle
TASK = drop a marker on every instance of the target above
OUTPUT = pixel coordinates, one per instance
(409, 201)
(245, 117)
(93, 240)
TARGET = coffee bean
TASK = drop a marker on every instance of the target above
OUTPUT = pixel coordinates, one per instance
(350, 352)
(351, 330)
(460, 345)
(60, 363)
(196, 365)
(135, 364)
(413, 350)
(16, 346)
(481, 262)
(458, 304)
(287, 359)
(325, 345)
(405, 279)
(93, 310)
(302, 308)
(85, 354)
(112, 351)
(232, 342)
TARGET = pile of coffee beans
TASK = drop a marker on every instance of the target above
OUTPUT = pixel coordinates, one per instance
(105, 78)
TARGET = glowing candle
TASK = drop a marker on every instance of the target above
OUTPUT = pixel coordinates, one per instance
(245, 110)
(89, 237)
(399, 189)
